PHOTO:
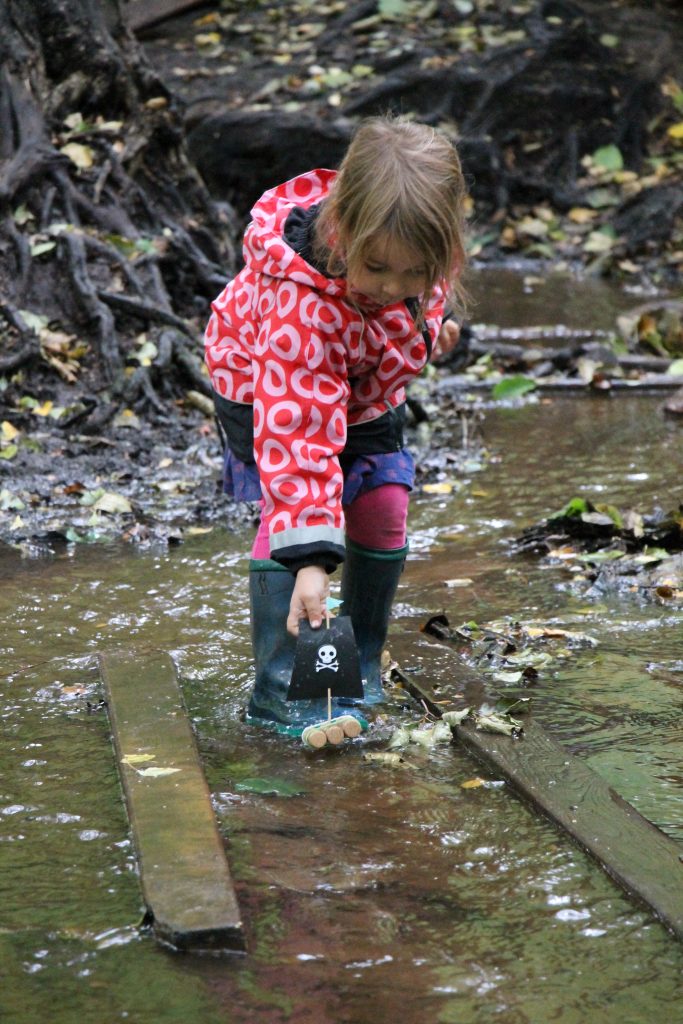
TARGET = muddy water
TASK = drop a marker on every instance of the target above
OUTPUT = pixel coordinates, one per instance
(375, 894)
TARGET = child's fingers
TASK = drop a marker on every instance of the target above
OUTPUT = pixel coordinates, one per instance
(310, 608)
(449, 336)
(309, 598)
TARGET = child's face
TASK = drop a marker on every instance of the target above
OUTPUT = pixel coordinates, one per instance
(389, 272)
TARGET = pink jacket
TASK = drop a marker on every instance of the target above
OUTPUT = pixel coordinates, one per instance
(283, 337)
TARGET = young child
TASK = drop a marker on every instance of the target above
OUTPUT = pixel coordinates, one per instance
(309, 350)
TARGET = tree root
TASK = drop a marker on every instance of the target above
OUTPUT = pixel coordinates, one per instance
(136, 218)
(29, 351)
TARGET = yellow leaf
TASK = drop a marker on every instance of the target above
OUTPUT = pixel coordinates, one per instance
(79, 154)
(207, 38)
(439, 488)
(207, 19)
(43, 410)
(676, 130)
(9, 432)
(473, 783)
(582, 215)
(136, 758)
(17, 523)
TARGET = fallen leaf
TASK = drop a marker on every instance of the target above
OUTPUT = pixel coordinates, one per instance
(438, 488)
(40, 248)
(133, 759)
(473, 783)
(111, 502)
(513, 387)
(452, 718)
(608, 158)
(157, 773)
(581, 215)
(393, 760)
(9, 432)
(80, 155)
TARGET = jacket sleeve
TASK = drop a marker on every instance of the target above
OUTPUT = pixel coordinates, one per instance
(229, 340)
(300, 398)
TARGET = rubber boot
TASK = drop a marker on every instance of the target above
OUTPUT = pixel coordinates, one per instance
(369, 582)
(270, 592)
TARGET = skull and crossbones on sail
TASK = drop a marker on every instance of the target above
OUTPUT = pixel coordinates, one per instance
(327, 658)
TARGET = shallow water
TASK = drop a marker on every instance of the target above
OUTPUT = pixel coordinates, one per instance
(377, 894)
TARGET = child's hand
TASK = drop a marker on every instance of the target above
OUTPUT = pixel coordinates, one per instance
(448, 338)
(311, 590)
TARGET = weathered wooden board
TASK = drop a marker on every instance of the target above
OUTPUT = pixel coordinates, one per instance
(184, 873)
(142, 13)
(634, 852)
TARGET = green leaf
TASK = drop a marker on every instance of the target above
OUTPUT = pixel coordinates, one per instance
(269, 787)
(90, 497)
(22, 215)
(599, 198)
(513, 387)
(676, 368)
(601, 240)
(609, 158)
(9, 452)
(649, 555)
(145, 245)
(574, 508)
(10, 501)
(613, 512)
(35, 321)
(42, 247)
(600, 556)
(112, 503)
(394, 9)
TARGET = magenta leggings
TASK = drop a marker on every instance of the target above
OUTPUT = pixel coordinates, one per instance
(375, 519)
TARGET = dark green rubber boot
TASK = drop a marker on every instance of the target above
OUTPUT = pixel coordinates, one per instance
(270, 592)
(369, 583)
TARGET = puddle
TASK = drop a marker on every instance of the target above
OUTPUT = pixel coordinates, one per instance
(375, 894)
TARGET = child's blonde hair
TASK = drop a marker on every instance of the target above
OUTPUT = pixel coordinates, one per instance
(400, 180)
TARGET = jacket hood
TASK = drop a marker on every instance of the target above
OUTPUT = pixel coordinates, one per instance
(265, 249)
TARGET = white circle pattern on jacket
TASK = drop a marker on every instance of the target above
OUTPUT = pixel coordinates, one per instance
(284, 337)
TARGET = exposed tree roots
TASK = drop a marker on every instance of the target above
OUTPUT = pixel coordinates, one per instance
(108, 230)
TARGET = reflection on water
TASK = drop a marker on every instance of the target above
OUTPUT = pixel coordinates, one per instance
(378, 894)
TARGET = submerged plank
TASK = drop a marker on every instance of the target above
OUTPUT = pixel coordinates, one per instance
(644, 861)
(184, 873)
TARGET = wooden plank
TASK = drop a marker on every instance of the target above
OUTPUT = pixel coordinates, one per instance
(184, 873)
(144, 13)
(641, 858)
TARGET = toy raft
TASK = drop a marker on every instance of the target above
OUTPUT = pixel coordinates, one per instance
(184, 874)
(326, 664)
